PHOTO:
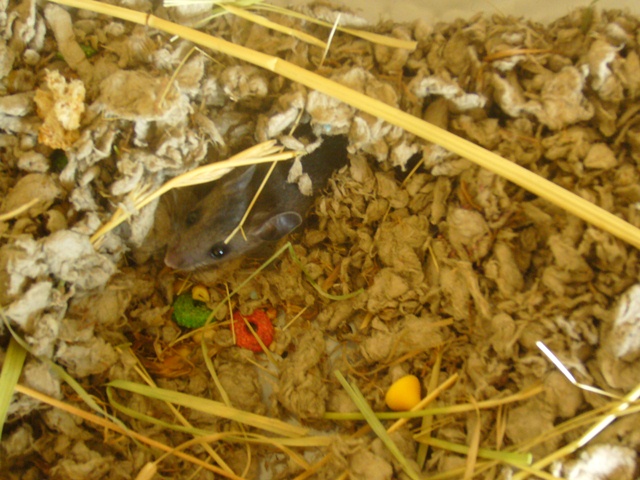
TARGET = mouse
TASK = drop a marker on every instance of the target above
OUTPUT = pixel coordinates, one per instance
(201, 229)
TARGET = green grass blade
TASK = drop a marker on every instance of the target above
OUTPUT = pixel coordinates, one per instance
(62, 373)
(146, 418)
(376, 425)
(11, 370)
(213, 408)
(317, 287)
(512, 458)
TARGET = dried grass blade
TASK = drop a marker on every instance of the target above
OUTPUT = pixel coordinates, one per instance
(135, 414)
(21, 209)
(472, 452)
(303, 442)
(211, 172)
(330, 40)
(251, 205)
(456, 473)
(526, 179)
(616, 408)
(217, 5)
(376, 425)
(257, 19)
(11, 370)
(392, 42)
(427, 420)
(119, 429)
(213, 408)
(529, 392)
(230, 436)
(176, 413)
(246, 438)
(62, 373)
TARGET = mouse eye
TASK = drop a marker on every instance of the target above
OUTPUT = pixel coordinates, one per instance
(219, 250)
(192, 217)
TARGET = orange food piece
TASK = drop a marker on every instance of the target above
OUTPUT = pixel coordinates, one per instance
(261, 324)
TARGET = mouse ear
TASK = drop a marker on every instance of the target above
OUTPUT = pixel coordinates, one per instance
(276, 227)
(240, 182)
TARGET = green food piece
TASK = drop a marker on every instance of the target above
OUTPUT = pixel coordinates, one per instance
(88, 50)
(190, 313)
(58, 160)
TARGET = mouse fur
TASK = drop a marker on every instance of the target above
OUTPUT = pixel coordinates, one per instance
(200, 231)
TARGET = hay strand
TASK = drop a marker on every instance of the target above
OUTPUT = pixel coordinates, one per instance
(212, 407)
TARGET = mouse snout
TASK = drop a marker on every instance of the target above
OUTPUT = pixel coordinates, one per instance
(179, 259)
(172, 260)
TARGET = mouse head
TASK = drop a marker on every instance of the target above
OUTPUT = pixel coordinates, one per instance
(200, 236)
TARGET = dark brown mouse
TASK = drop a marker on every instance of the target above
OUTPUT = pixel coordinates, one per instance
(200, 233)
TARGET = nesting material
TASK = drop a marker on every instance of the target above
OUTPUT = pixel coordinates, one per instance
(449, 270)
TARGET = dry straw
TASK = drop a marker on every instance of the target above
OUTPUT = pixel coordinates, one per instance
(241, 7)
(290, 435)
(358, 399)
(450, 409)
(141, 197)
(555, 194)
(12, 368)
(212, 407)
(21, 209)
(390, 42)
(105, 423)
(186, 426)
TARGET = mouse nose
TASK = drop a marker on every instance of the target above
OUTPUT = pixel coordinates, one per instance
(170, 261)
(173, 259)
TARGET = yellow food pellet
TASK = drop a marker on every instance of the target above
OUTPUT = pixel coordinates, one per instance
(200, 293)
(403, 394)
